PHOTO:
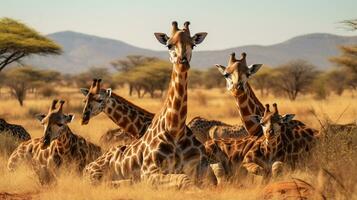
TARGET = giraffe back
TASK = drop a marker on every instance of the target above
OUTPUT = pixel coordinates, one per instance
(14, 130)
(116, 137)
(205, 129)
(76, 151)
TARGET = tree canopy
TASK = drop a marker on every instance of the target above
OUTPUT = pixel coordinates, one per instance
(18, 40)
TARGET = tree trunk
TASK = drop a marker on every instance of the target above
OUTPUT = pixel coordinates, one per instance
(130, 90)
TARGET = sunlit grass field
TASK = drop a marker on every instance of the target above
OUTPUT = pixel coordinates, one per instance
(215, 104)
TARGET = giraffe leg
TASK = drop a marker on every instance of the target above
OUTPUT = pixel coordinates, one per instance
(97, 169)
(16, 157)
(277, 169)
(219, 172)
(169, 181)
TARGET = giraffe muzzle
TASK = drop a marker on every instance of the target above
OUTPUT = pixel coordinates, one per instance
(85, 118)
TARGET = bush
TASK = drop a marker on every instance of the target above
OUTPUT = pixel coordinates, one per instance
(336, 154)
(48, 91)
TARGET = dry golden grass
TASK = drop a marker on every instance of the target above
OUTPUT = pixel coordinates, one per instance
(212, 104)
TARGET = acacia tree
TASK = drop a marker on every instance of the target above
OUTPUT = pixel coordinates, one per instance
(350, 24)
(263, 80)
(294, 77)
(19, 80)
(130, 63)
(18, 41)
(348, 58)
(148, 78)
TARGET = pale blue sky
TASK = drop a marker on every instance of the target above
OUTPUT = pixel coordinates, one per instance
(229, 22)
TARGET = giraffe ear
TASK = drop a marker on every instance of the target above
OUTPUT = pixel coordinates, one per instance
(69, 118)
(256, 119)
(84, 91)
(221, 69)
(199, 37)
(286, 118)
(109, 92)
(252, 69)
(40, 117)
(162, 38)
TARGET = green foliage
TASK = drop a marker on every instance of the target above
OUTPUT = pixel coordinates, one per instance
(17, 41)
(212, 78)
(21, 79)
(263, 80)
(148, 77)
(84, 79)
(294, 78)
(319, 86)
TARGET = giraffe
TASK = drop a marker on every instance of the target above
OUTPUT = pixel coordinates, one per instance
(128, 116)
(116, 137)
(134, 120)
(205, 129)
(284, 142)
(237, 74)
(59, 146)
(168, 153)
(14, 130)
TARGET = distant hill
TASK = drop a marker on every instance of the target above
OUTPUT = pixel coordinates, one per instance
(82, 51)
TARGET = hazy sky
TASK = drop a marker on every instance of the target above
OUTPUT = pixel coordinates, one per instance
(229, 23)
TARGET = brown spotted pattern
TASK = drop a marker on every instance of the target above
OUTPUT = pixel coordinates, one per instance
(48, 153)
(287, 144)
(237, 74)
(168, 150)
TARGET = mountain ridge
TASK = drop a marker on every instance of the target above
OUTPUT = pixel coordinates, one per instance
(82, 51)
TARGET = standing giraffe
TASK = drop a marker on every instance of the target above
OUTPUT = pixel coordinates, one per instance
(237, 74)
(168, 152)
(59, 146)
(132, 119)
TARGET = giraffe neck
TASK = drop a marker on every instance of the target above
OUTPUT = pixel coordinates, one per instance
(248, 104)
(65, 141)
(128, 116)
(174, 112)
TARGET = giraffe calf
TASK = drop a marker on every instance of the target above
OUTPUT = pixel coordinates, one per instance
(284, 143)
(59, 146)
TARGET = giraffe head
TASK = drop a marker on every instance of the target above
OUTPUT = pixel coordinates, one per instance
(95, 100)
(180, 43)
(54, 123)
(272, 122)
(237, 72)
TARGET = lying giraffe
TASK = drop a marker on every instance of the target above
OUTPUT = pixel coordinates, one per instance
(284, 142)
(132, 119)
(168, 151)
(16, 131)
(205, 129)
(58, 147)
(237, 74)
(116, 137)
